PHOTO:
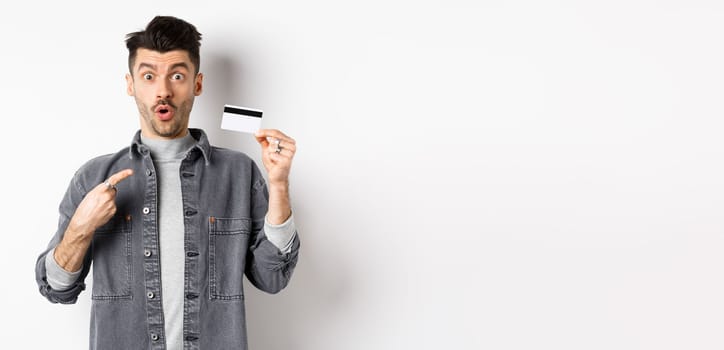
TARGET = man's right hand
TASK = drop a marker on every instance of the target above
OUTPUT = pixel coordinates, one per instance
(96, 208)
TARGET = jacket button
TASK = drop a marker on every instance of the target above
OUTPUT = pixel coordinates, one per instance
(146, 210)
(190, 212)
(150, 295)
(154, 336)
(191, 296)
(147, 253)
(149, 172)
(192, 254)
(191, 338)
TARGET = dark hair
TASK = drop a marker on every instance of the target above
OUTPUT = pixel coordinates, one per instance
(163, 34)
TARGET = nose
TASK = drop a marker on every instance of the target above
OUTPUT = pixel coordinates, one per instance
(163, 89)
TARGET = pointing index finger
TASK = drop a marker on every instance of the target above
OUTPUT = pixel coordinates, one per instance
(120, 176)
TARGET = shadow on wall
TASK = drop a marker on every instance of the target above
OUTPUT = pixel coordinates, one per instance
(321, 282)
(220, 76)
(313, 303)
(223, 84)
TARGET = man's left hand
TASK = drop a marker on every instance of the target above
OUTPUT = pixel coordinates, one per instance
(277, 152)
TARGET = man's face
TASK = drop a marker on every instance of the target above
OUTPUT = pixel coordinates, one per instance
(164, 87)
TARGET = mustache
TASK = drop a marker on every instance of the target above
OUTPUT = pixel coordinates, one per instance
(163, 103)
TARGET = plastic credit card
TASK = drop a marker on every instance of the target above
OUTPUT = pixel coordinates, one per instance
(241, 119)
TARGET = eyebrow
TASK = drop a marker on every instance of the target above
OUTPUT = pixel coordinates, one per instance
(153, 66)
(146, 65)
(179, 65)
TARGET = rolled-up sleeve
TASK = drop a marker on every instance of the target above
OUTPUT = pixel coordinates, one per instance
(282, 235)
(59, 278)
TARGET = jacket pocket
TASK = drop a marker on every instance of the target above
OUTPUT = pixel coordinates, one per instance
(112, 259)
(228, 244)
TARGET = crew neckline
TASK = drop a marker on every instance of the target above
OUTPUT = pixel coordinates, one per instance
(173, 149)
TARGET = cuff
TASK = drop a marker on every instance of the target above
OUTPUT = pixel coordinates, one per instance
(59, 278)
(282, 235)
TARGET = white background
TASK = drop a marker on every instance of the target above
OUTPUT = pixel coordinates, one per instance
(470, 174)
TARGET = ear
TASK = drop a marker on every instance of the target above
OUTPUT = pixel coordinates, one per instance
(129, 85)
(198, 84)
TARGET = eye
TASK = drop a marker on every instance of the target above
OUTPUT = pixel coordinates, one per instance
(177, 76)
(148, 76)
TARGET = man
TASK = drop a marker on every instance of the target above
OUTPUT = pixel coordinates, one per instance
(171, 224)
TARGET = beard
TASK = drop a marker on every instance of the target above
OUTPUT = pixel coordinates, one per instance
(172, 128)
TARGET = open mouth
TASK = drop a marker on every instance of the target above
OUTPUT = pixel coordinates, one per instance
(164, 112)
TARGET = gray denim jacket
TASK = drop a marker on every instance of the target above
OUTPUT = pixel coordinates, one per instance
(224, 201)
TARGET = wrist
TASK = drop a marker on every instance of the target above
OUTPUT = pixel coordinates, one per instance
(281, 187)
(77, 233)
(279, 208)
